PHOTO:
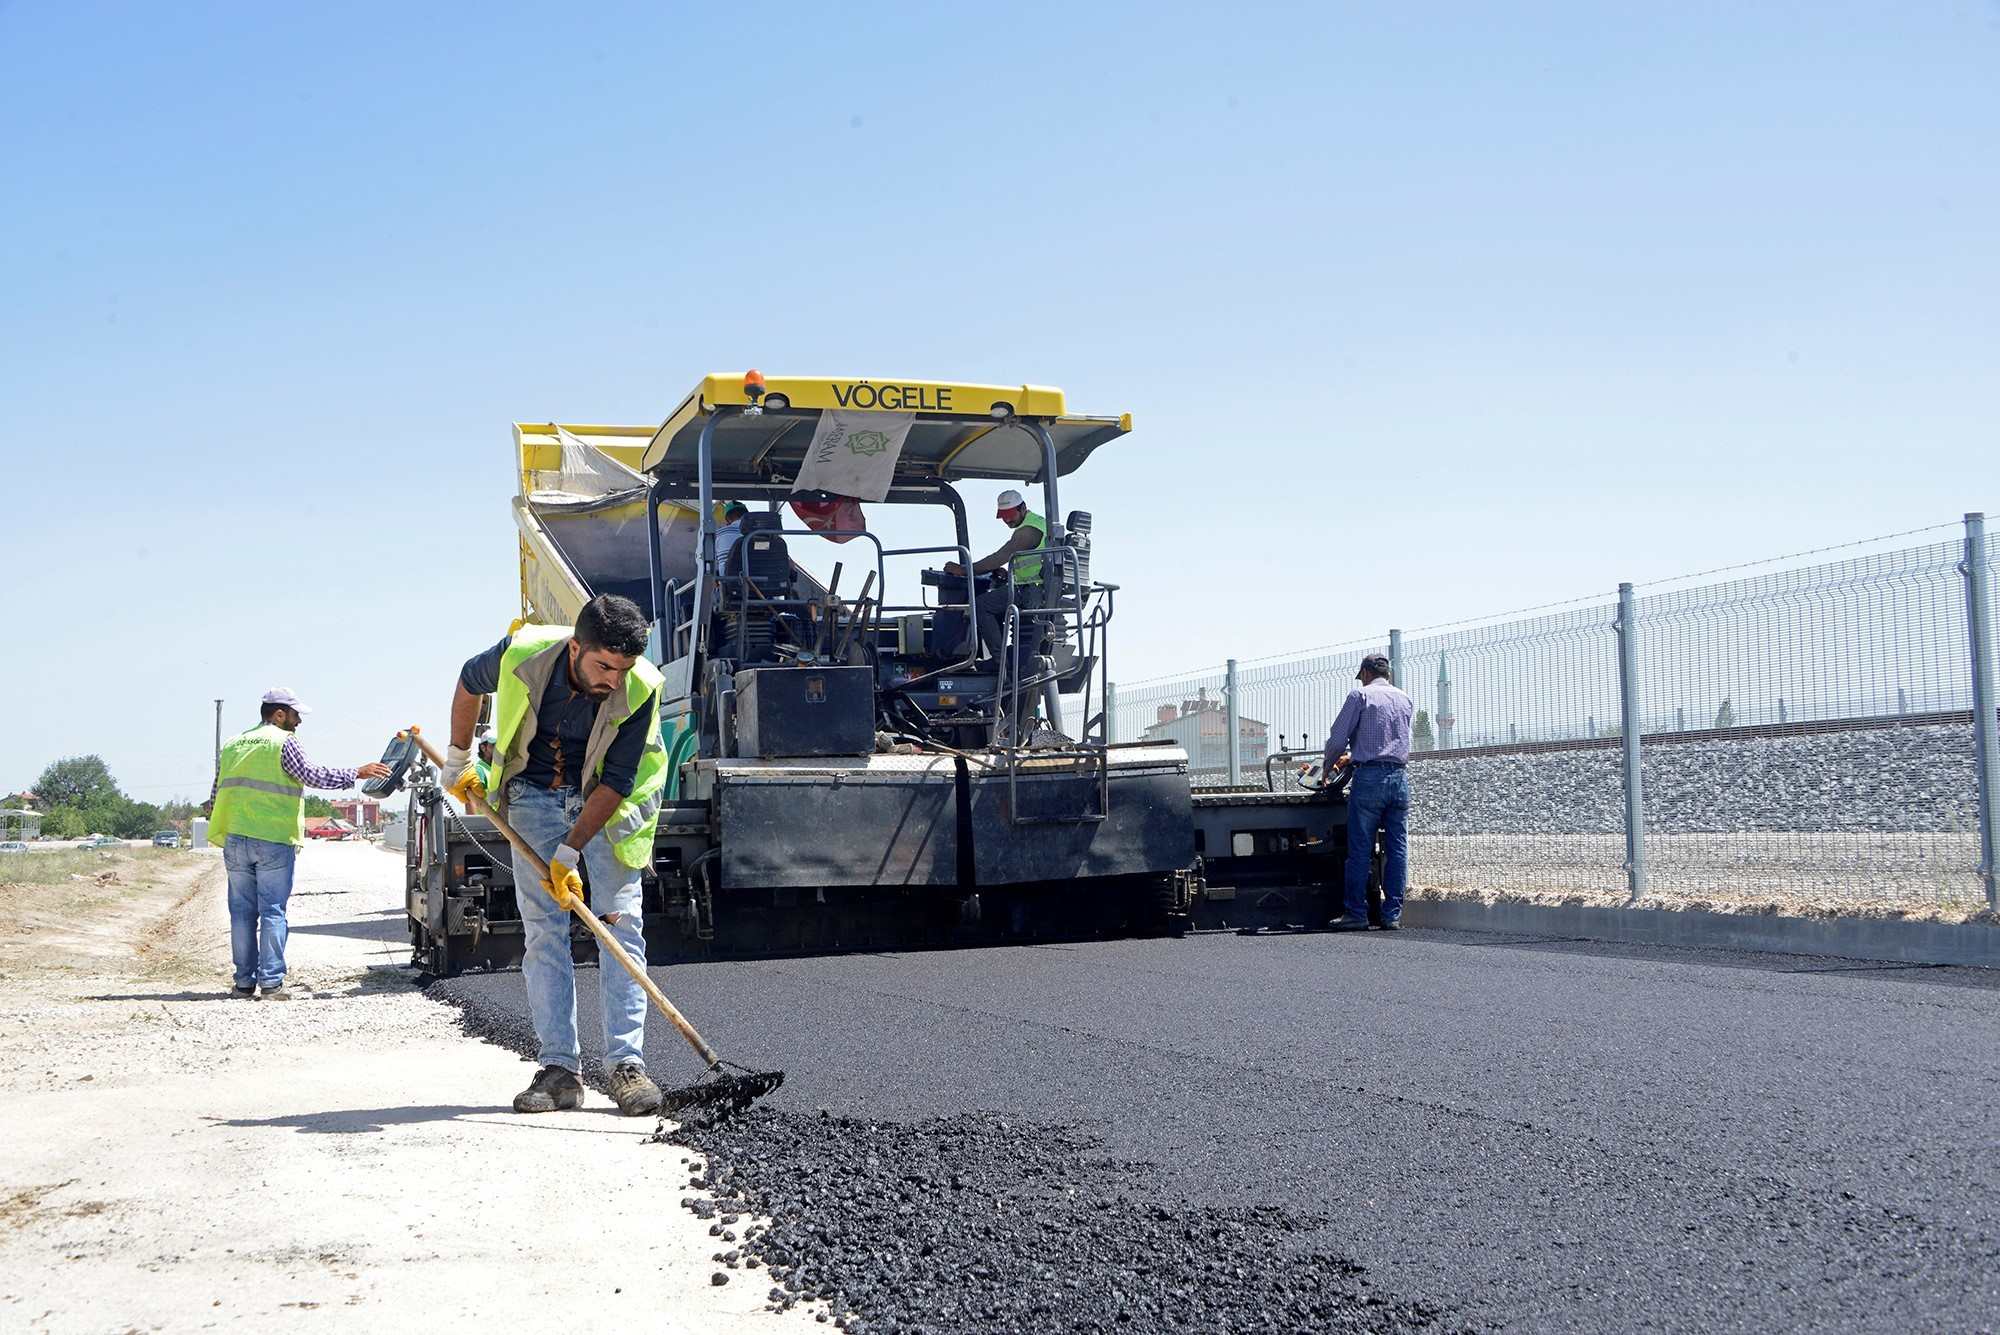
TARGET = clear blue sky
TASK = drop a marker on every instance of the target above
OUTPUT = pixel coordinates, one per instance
(1423, 311)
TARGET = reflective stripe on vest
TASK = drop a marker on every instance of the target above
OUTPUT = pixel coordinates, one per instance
(254, 797)
(632, 817)
(1028, 570)
(259, 785)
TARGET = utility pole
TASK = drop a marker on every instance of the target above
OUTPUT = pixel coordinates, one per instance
(218, 737)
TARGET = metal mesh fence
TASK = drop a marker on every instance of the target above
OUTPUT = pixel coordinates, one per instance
(1808, 734)
(1282, 707)
(1187, 710)
(1806, 737)
(1286, 706)
(1514, 782)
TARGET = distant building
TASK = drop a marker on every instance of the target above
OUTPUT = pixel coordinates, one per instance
(1201, 728)
(20, 823)
(361, 812)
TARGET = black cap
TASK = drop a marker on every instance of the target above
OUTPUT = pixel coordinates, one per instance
(1375, 663)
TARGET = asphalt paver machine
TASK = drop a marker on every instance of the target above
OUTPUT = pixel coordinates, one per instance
(848, 768)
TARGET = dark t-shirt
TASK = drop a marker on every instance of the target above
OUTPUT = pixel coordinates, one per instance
(563, 718)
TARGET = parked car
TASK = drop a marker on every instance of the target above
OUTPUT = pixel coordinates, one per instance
(13, 846)
(100, 841)
(167, 839)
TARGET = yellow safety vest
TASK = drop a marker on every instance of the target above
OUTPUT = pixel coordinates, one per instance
(630, 829)
(254, 797)
(1028, 570)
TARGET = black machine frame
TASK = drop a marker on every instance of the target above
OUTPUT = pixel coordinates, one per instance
(1069, 606)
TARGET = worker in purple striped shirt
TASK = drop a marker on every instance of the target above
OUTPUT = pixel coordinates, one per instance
(1372, 733)
(260, 825)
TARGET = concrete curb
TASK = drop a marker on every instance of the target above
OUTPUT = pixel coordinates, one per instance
(1841, 938)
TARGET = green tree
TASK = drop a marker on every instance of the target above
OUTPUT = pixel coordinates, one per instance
(1422, 738)
(318, 806)
(1725, 717)
(76, 781)
(135, 820)
(120, 817)
(64, 823)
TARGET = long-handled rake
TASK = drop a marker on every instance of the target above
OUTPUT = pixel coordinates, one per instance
(724, 1093)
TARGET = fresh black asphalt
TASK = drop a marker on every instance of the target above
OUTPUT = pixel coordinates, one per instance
(1502, 1132)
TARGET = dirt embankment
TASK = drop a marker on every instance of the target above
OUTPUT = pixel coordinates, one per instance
(128, 911)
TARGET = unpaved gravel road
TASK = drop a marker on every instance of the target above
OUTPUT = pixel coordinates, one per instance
(1504, 1132)
(177, 1160)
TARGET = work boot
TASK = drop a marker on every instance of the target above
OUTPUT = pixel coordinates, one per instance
(1343, 923)
(278, 993)
(552, 1088)
(633, 1090)
(245, 990)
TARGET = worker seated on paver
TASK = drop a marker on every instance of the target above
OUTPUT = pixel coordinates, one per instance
(484, 764)
(1031, 533)
(730, 532)
(578, 770)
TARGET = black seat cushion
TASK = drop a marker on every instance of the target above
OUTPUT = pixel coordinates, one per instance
(763, 554)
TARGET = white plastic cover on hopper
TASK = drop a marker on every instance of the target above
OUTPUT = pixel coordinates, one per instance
(587, 475)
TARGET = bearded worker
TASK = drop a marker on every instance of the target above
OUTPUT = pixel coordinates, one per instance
(577, 771)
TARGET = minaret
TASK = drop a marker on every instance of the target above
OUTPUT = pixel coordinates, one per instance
(1444, 719)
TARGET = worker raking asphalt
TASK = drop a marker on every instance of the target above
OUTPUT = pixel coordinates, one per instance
(1371, 1132)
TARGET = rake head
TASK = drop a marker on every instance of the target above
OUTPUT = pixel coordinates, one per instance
(718, 1098)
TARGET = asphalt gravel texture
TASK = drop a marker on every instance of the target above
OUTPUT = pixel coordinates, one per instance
(1418, 1130)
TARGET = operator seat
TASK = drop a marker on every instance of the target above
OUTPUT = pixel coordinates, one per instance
(1066, 586)
(763, 552)
(748, 617)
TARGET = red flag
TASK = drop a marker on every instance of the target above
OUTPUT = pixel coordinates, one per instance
(822, 516)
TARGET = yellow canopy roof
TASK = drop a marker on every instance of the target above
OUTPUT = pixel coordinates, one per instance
(961, 430)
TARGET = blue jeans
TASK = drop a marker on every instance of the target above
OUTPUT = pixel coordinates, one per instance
(1379, 800)
(260, 885)
(542, 817)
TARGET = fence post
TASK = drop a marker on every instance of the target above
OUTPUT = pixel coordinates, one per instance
(1979, 633)
(1110, 711)
(1396, 661)
(1231, 717)
(1628, 711)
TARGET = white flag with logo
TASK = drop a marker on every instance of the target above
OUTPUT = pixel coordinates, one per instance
(854, 453)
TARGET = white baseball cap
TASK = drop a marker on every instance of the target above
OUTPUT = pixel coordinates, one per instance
(281, 695)
(1009, 500)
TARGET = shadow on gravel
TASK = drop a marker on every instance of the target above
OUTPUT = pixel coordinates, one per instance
(358, 1121)
(364, 929)
(976, 1224)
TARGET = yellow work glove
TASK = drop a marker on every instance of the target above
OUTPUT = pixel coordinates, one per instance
(461, 776)
(564, 884)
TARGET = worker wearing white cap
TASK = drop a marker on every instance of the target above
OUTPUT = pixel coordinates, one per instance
(1031, 534)
(257, 818)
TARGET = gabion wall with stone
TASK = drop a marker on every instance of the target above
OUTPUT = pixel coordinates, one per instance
(1871, 780)
(1863, 816)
